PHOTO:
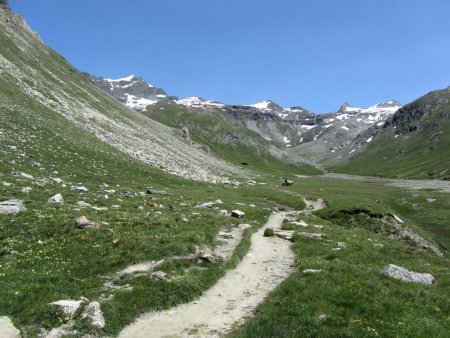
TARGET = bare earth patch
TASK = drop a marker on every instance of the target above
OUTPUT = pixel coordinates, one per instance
(232, 300)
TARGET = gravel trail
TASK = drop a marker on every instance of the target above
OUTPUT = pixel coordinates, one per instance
(232, 299)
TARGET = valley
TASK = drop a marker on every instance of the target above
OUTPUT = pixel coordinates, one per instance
(125, 211)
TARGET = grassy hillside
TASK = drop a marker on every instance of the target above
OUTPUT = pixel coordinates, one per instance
(235, 144)
(414, 143)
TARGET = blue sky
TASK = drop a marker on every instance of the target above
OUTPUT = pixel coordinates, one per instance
(315, 53)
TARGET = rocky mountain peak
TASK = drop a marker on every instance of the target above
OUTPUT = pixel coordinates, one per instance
(389, 104)
(267, 105)
(132, 90)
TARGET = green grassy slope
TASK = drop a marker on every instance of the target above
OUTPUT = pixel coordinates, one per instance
(350, 297)
(421, 149)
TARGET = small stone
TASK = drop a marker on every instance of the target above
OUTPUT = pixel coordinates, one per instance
(159, 275)
(104, 186)
(115, 206)
(83, 204)
(56, 200)
(237, 213)
(150, 204)
(82, 222)
(378, 245)
(322, 317)
(342, 245)
(311, 271)
(26, 190)
(102, 197)
(208, 257)
(218, 201)
(207, 205)
(11, 207)
(400, 273)
(94, 313)
(23, 175)
(224, 213)
(57, 180)
(80, 188)
(7, 328)
(311, 235)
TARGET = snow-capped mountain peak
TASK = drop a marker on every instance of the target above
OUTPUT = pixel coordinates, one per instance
(199, 102)
(132, 90)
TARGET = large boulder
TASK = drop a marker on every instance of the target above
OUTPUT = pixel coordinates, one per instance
(11, 207)
(398, 272)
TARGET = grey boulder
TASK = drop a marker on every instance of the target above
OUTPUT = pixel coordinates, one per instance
(400, 273)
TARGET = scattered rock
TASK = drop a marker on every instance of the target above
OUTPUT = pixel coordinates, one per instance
(26, 190)
(208, 257)
(311, 235)
(102, 197)
(285, 234)
(311, 271)
(150, 204)
(116, 206)
(11, 207)
(56, 180)
(83, 204)
(342, 245)
(207, 205)
(159, 275)
(94, 313)
(99, 208)
(68, 307)
(104, 186)
(157, 192)
(251, 182)
(378, 245)
(56, 200)
(237, 213)
(7, 328)
(23, 175)
(6, 184)
(322, 317)
(224, 213)
(301, 223)
(398, 272)
(80, 188)
(82, 222)
(287, 183)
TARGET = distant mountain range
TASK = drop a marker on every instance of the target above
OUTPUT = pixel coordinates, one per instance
(312, 137)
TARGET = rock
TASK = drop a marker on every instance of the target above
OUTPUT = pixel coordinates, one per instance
(252, 206)
(159, 275)
(26, 190)
(237, 213)
(218, 201)
(116, 206)
(251, 182)
(224, 213)
(6, 184)
(285, 234)
(398, 272)
(322, 317)
(56, 200)
(82, 222)
(23, 175)
(11, 207)
(57, 180)
(80, 188)
(311, 271)
(287, 183)
(94, 313)
(68, 307)
(208, 257)
(311, 235)
(104, 186)
(342, 245)
(207, 205)
(150, 204)
(7, 328)
(110, 191)
(301, 223)
(378, 245)
(157, 192)
(83, 204)
(99, 208)
(102, 197)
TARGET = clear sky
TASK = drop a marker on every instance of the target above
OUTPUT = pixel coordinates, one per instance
(310, 53)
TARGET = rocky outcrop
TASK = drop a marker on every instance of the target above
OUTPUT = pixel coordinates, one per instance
(11, 207)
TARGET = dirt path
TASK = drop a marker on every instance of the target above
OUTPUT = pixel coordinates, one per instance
(230, 301)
